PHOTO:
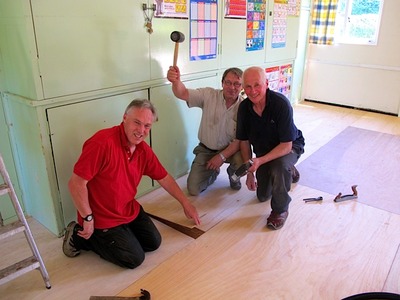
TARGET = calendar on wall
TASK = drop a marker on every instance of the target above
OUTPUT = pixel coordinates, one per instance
(203, 29)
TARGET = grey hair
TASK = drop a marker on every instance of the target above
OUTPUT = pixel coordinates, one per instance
(143, 103)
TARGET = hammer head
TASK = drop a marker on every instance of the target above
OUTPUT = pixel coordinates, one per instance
(177, 37)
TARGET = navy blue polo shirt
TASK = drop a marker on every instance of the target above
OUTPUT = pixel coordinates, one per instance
(275, 125)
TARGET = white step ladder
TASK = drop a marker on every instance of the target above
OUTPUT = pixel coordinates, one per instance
(30, 263)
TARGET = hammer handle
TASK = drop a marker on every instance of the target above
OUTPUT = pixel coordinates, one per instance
(176, 53)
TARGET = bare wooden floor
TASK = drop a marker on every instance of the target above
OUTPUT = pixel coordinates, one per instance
(325, 250)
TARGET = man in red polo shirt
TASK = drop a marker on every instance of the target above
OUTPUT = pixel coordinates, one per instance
(103, 187)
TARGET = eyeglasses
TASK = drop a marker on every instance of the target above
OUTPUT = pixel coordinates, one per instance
(235, 84)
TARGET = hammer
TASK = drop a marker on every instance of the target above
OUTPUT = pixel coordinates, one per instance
(177, 37)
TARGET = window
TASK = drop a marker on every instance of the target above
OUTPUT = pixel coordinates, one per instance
(357, 21)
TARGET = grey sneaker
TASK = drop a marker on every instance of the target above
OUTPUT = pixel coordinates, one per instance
(69, 248)
(295, 175)
(235, 185)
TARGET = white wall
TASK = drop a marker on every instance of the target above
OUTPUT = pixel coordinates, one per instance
(357, 75)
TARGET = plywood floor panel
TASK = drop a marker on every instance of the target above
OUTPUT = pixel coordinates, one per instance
(80, 277)
(326, 250)
(320, 246)
(213, 205)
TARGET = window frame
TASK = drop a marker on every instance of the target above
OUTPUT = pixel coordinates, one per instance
(343, 37)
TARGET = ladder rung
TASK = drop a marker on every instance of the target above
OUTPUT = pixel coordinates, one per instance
(4, 189)
(11, 229)
(30, 263)
(18, 269)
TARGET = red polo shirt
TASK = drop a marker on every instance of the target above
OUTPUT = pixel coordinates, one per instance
(113, 174)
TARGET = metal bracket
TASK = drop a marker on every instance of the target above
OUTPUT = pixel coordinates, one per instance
(148, 17)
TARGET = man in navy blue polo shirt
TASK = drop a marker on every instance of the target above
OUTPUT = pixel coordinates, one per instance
(265, 126)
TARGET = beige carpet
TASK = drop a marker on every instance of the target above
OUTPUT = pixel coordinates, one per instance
(371, 157)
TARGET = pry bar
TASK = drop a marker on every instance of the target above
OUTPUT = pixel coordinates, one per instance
(313, 199)
(193, 232)
(145, 296)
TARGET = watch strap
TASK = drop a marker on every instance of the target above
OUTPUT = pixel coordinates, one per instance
(88, 218)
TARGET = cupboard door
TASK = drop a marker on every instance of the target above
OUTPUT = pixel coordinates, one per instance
(90, 45)
(175, 134)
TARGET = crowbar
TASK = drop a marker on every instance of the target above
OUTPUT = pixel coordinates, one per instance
(145, 296)
(313, 199)
(340, 198)
(193, 232)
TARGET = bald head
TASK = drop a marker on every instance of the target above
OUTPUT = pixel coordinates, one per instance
(255, 84)
(255, 71)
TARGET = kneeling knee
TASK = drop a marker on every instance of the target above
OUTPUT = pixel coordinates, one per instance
(154, 245)
(134, 261)
(193, 191)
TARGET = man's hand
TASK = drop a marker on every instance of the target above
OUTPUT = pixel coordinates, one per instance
(173, 74)
(251, 181)
(170, 185)
(215, 162)
(87, 231)
(191, 212)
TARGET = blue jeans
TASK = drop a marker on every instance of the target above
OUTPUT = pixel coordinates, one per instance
(274, 180)
(124, 245)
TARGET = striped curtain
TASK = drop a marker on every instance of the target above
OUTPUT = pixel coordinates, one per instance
(323, 22)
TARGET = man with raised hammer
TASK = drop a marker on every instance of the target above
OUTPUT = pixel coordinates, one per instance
(217, 128)
(266, 127)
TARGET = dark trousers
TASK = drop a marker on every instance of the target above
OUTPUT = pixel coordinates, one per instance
(124, 245)
(274, 180)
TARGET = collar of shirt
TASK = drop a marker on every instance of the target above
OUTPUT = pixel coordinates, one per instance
(125, 143)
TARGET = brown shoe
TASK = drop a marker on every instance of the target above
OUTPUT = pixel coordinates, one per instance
(295, 175)
(276, 221)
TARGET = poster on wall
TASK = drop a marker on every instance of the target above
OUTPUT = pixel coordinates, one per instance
(279, 24)
(203, 29)
(294, 8)
(255, 31)
(171, 9)
(285, 80)
(235, 9)
(280, 79)
(273, 77)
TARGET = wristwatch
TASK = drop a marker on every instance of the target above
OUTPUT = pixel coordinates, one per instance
(88, 218)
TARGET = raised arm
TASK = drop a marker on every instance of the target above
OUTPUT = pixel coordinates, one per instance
(178, 88)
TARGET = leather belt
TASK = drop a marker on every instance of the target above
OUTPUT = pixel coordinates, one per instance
(204, 146)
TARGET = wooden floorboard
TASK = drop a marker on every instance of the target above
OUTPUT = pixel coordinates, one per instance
(326, 250)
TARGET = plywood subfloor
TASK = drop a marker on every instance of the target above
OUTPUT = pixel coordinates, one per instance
(325, 251)
(213, 205)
